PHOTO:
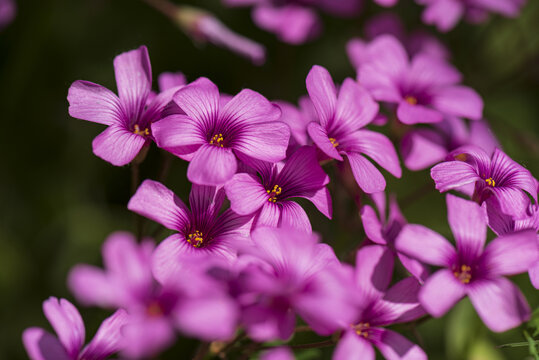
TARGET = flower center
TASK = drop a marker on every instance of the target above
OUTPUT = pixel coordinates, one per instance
(463, 274)
(273, 193)
(461, 157)
(154, 309)
(490, 182)
(412, 100)
(334, 142)
(362, 329)
(217, 140)
(138, 131)
(196, 239)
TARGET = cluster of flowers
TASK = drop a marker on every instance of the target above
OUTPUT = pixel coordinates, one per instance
(256, 265)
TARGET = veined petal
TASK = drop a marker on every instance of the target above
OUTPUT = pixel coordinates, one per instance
(108, 338)
(67, 322)
(269, 215)
(212, 165)
(380, 84)
(178, 134)
(134, 78)
(266, 141)
(388, 55)
(374, 269)
(322, 93)
(453, 174)
(468, 222)
(499, 303)
(367, 176)
(425, 245)
(321, 139)
(511, 254)
(416, 268)
(248, 106)
(322, 200)
(155, 201)
(353, 347)
(93, 102)
(117, 145)
(301, 173)
(42, 345)
(417, 114)
(246, 193)
(511, 201)
(394, 346)
(355, 108)
(205, 202)
(441, 291)
(399, 304)
(459, 101)
(512, 174)
(200, 101)
(293, 216)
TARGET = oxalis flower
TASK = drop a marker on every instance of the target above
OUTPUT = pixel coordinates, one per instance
(201, 230)
(67, 322)
(270, 195)
(472, 269)
(339, 131)
(379, 306)
(425, 89)
(496, 178)
(129, 115)
(211, 135)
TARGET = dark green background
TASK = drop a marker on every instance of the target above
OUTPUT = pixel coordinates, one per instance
(59, 201)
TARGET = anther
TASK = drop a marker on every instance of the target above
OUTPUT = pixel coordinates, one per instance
(217, 140)
(490, 182)
(145, 132)
(334, 142)
(196, 239)
(277, 190)
(412, 100)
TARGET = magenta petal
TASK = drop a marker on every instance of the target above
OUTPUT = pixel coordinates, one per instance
(441, 292)
(321, 139)
(168, 80)
(117, 145)
(269, 215)
(394, 346)
(387, 54)
(108, 338)
(416, 268)
(279, 353)
(322, 93)
(167, 259)
(200, 101)
(509, 8)
(534, 274)
(93, 102)
(155, 201)
(133, 77)
(511, 201)
(246, 193)
(453, 174)
(445, 14)
(356, 51)
(468, 222)
(421, 148)
(178, 134)
(431, 71)
(372, 225)
(145, 337)
(512, 254)
(42, 345)
(374, 269)
(322, 200)
(499, 303)
(425, 245)
(248, 106)
(353, 347)
(399, 304)
(459, 101)
(367, 176)
(67, 322)
(264, 141)
(417, 114)
(293, 216)
(212, 165)
(355, 107)
(292, 24)
(380, 84)
(91, 286)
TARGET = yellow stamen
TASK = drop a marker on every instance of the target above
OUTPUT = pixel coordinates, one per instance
(412, 100)
(196, 239)
(154, 309)
(361, 329)
(145, 132)
(217, 140)
(274, 192)
(464, 274)
(490, 182)
(461, 157)
(334, 142)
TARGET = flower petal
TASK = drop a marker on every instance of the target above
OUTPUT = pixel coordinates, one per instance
(428, 71)
(117, 145)
(453, 174)
(67, 322)
(145, 337)
(91, 286)
(178, 134)
(108, 338)
(499, 303)
(445, 14)
(269, 215)
(388, 55)
(322, 93)
(264, 141)
(417, 114)
(246, 193)
(534, 274)
(293, 216)
(353, 347)
(425, 245)
(292, 24)
(422, 148)
(459, 101)
(42, 345)
(367, 176)
(322, 200)
(248, 106)
(355, 108)
(372, 225)
(321, 139)
(93, 102)
(134, 79)
(399, 304)
(212, 165)
(441, 292)
(200, 101)
(374, 269)
(510, 201)
(394, 346)
(155, 201)
(301, 174)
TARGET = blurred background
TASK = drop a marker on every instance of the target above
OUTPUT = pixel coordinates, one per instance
(59, 201)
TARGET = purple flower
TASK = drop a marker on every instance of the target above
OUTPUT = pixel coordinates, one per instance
(384, 231)
(497, 178)
(287, 272)
(170, 80)
(8, 9)
(200, 230)
(424, 147)
(445, 14)
(472, 269)
(297, 118)
(425, 89)
(339, 131)
(379, 307)
(270, 195)
(68, 325)
(212, 136)
(129, 115)
(279, 353)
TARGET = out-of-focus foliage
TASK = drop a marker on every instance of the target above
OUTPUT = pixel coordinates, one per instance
(59, 201)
